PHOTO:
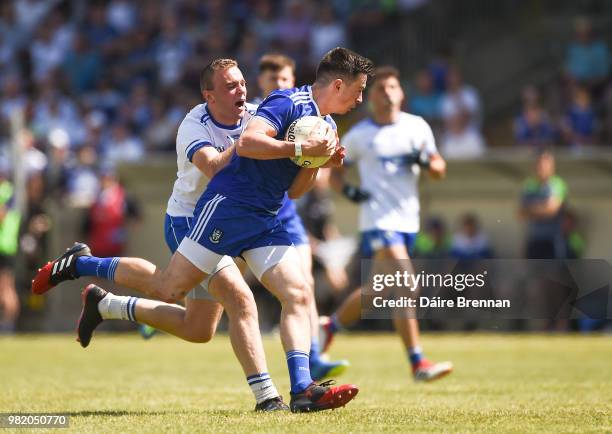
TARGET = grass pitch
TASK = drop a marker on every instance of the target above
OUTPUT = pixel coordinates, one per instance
(501, 383)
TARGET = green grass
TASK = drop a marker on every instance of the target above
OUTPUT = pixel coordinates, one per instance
(501, 383)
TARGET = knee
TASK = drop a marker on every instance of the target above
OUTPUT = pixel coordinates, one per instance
(171, 297)
(242, 302)
(201, 338)
(198, 336)
(298, 294)
(169, 293)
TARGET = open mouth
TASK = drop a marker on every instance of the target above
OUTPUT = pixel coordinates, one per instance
(240, 104)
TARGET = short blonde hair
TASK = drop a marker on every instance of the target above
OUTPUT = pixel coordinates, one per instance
(206, 76)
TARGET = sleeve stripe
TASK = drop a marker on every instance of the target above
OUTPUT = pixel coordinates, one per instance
(268, 121)
(196, 148)
(196, 140)
(195, 143)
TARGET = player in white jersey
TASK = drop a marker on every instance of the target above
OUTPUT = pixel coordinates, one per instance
(390, 149)
(204, 144)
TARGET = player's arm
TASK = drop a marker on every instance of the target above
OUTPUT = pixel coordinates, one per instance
(437, 166)
(542, 210)
(338, 182)
(210, 161)
(303, 182)
(306, 178)
(258, 142)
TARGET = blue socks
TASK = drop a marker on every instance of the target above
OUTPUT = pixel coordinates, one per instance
(415, 354)
(315, 352)
(334, 324)
(98, 267)
(299, 370)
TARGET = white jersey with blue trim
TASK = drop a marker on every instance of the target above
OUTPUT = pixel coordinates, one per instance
(264, 183)
(386, 170)
(198, 130)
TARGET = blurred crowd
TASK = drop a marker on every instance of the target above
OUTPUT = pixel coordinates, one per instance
(85, 86)
(576, 111)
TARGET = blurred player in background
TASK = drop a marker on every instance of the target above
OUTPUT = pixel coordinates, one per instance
(389, 148)
(278, 72)
(236, 215)
(204, 144)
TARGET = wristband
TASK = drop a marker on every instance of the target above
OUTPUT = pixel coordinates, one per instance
(298, 149)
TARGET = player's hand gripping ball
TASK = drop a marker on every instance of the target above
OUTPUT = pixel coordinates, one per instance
(307, 127)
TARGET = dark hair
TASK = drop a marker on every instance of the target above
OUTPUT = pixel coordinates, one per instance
(386, 71)
(275, 62)
(209, 70)
(342, 63)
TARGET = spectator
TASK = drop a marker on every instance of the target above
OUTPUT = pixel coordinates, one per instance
(161, 135)
(121, 16)
(105, 98)
(439, 68)
(30, 13)
(294, 28)
(138, 110)
(82, 66)
(13, 98)
(460, 100)
(542, 202)
(9, 235)
(433, 242)
(460, 140)
(470, 242)
(33, 240)
(263, 24)
(101, 36)
(172, 51)
(47, 52)
(106, 223)
(55, 110)
(326, 33)
(80, 178)
(11, 36)
(123, 145)
(579, 122)
(425, 100)
(533, 127)
(588, 58)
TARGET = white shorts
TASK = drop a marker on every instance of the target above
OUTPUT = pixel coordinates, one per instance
(259, 259)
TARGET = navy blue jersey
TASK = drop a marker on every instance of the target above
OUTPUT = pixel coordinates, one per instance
(263, 183)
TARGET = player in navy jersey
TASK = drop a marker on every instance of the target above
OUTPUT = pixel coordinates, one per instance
(277, 71)
(237, 216)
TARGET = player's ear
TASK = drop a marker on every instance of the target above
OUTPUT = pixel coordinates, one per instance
(337, 84)
(207, 95)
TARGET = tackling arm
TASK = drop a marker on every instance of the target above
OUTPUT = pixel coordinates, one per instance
(210, 161)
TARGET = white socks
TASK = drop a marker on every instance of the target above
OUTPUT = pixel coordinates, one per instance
(118, 307)
(262, 387)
